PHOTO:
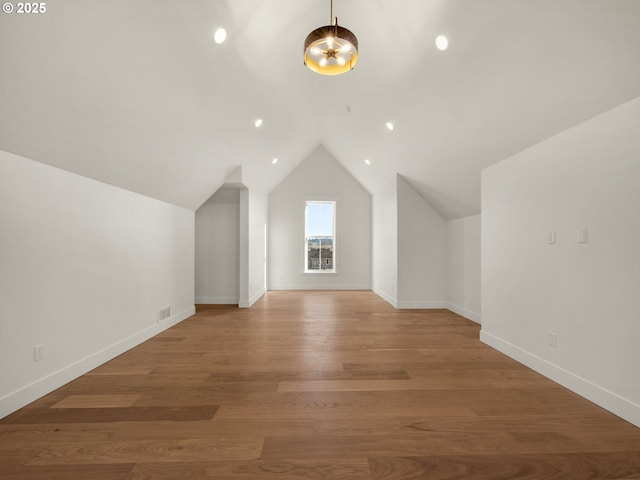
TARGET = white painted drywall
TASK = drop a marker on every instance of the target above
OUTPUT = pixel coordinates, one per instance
(319, 177)
(385, 242)
(253, 208)
(84, 268)
(587, 294)
(217, 255)
(463, 267)
(243, 247)
(421, 251)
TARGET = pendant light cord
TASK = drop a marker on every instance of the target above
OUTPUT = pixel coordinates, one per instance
(331, 13)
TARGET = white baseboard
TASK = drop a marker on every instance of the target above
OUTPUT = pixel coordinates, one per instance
(252, 300)
(217, 300)
(608, 400)
(386, 297)
(29, 393)
(463, 312)
(409, 304)
(420, 304)
(318, 287)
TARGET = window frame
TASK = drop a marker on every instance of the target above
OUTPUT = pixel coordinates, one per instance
(305, 239)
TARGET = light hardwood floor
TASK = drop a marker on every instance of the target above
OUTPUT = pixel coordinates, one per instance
(316, 385)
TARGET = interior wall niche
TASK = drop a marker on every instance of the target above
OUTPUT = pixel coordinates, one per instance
(217, 253)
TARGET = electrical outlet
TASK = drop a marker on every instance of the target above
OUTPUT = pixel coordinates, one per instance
(38, 353)
(582, 235)
(552, 339)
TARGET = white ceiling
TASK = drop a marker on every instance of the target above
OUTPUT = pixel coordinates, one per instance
(136, 94)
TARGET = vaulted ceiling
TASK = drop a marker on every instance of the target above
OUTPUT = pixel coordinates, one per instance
(136, 93)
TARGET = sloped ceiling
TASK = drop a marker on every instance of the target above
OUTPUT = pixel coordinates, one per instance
(136, 94)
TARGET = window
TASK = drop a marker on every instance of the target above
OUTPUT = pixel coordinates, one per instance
(319, 237)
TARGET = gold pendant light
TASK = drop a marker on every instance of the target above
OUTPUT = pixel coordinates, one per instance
(331, 50)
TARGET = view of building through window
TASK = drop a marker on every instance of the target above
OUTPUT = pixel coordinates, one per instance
(320, 236)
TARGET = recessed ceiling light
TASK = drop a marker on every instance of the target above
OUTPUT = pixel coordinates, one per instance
(274, 161)
(442, 42)
(390, 126)
(220, 36)
(367, 161)
(258, 123)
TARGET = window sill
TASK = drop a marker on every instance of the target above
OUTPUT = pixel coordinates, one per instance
(321, 272)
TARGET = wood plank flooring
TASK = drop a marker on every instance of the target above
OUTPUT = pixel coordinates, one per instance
(316, 385)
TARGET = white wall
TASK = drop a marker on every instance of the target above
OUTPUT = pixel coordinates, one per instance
(463, 267)
(421, 251)
(254, 244)
(84, 268)
(587, 294)
(217, 264)
(319, 177)
(385, 242)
